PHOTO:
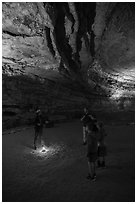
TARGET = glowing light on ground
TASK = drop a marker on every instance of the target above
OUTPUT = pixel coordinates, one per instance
(44, 152)
(44, 149)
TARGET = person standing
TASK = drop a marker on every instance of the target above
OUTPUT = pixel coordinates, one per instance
(38, 127)
(87, 117)
(92, 149)
(102, 150)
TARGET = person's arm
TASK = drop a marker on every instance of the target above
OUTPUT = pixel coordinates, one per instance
(91, 117)
(82, 118)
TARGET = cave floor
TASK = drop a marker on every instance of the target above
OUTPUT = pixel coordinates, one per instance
(60, 173)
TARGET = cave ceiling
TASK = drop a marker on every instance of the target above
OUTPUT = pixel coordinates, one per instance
(92, 44)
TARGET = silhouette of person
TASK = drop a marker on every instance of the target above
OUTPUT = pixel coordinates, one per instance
(38, 127)
(92, 148)
(102, 150)
(87, 117)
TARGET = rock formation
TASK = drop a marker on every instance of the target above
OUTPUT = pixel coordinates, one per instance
(64, 55)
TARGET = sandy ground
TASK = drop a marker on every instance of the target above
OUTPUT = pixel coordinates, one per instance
(60, 173)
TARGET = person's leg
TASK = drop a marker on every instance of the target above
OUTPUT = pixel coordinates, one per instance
(35, 138)
(90, 169)
(103, 161)
(103, 154)
(99, 161)
(40, 137)
(99, 158)
(84, 135)
(94, 169)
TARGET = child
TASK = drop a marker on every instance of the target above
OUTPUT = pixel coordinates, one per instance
(101, 146)
(92, 148)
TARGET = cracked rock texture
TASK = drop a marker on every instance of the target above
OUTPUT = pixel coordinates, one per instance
(64, 55)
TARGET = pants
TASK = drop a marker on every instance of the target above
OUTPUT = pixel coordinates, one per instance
(38, 134)
(84, 134)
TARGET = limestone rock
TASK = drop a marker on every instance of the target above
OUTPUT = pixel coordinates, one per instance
(64, 55)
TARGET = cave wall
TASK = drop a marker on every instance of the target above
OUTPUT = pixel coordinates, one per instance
(48, 36)
(22, 95)
(113, 70)
(114, 28)
(64, 55)
(68, 37)
(42, 41)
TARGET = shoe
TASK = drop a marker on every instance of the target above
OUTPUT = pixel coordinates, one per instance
(93, 178)
(89, 177)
